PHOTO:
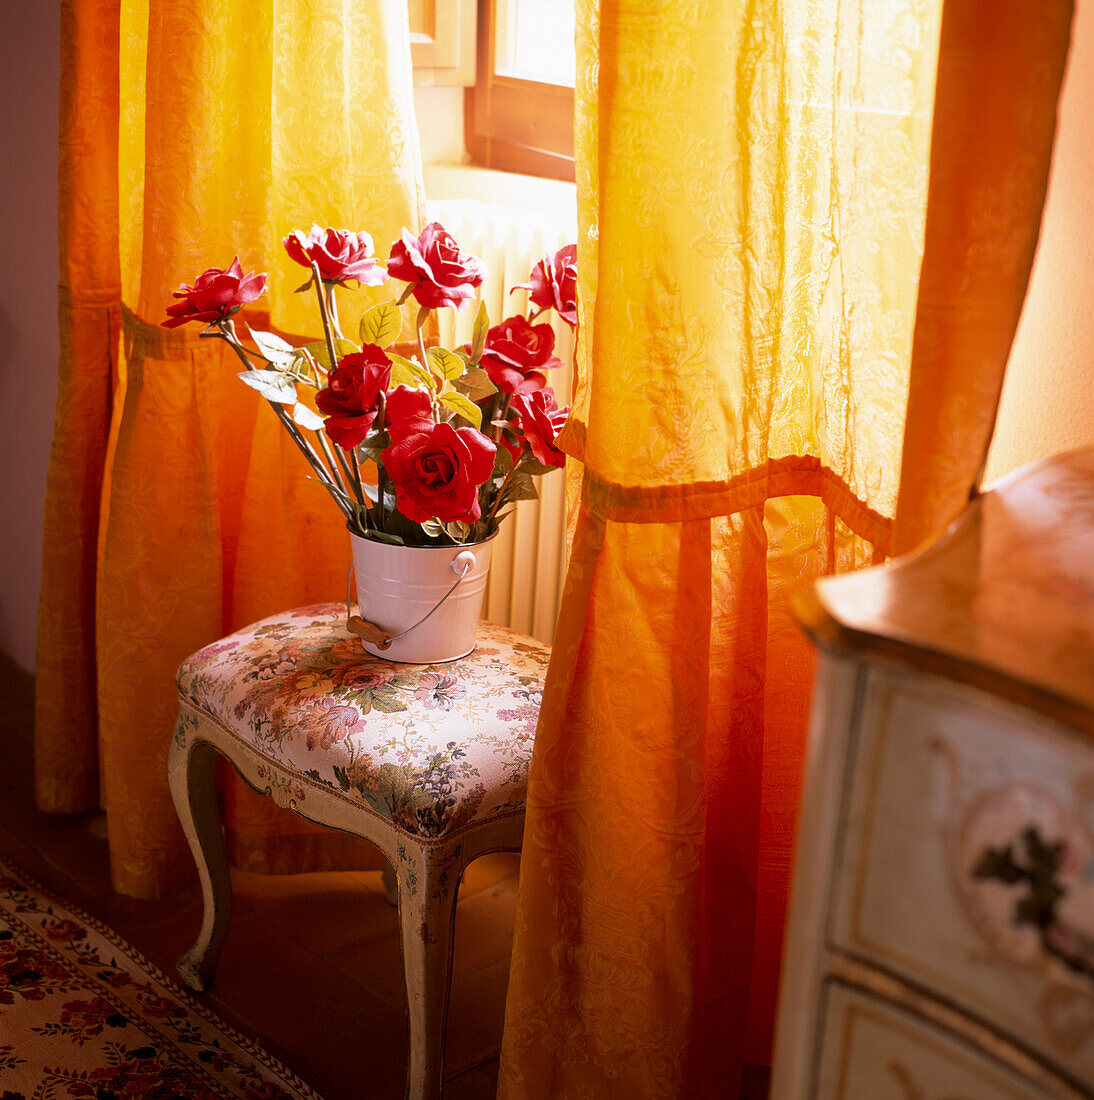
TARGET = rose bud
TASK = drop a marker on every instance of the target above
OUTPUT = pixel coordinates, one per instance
(351, 397)
(541, 420)
(216, 295)
(553, 284)
(438, 273)
(517, 353)
(340, 254)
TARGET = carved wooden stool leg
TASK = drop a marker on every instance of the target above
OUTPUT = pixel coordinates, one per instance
(391, 884)
(191, 773)
(427, 916)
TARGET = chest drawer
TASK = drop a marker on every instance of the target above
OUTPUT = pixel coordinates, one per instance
(966, 862)
(873, 1051)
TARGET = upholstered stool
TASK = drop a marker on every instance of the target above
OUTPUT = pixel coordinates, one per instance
(428, 762)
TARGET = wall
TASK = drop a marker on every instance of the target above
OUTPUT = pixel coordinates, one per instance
(29, 76)
(1048, 405)
(440, 123)
(1048, 398)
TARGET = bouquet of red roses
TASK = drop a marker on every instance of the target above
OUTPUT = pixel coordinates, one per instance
(453, 434)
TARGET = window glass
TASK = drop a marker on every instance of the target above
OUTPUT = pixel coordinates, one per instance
(534, 40)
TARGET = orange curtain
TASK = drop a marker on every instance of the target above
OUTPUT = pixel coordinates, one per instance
(757, 349)
(193, 131)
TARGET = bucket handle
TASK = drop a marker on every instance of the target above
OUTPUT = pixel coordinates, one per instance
(380, 638)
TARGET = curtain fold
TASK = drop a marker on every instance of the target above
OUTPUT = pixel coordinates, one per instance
(989, 175)
(752, 193)
(193, 132)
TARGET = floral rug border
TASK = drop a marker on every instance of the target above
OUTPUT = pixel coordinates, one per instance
(85, 1014)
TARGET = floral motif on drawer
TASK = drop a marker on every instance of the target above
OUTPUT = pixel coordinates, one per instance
(1026, 877)
(967, 863)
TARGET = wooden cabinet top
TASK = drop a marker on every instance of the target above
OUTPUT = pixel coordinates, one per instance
(1004, 600)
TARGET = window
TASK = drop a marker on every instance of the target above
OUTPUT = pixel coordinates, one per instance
(519, 116)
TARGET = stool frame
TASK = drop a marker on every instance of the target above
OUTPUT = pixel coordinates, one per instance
(427, 873)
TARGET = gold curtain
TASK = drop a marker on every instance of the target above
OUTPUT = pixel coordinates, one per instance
(193, 131)
(756, 350)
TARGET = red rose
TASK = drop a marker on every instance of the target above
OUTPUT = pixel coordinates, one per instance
(541, 420)
(517, 353)
(351, 397)
(215, 295)
(438, 471)
(340, 253)
(553, 284)
(407, 411)
(438, 272)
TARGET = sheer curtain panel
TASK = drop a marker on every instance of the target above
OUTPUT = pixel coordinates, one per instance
(193, 131)
(756, 187)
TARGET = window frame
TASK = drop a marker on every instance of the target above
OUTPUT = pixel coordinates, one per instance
(442, 43)
(513, 124)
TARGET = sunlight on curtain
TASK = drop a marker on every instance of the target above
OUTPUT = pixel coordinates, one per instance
(223, 126)
(751, 186)
(753, 196)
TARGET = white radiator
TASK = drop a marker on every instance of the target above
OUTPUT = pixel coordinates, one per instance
(528, 566)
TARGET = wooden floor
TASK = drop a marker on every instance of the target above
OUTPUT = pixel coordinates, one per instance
(311, 967)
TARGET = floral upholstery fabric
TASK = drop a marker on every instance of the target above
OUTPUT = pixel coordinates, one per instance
(432, 748)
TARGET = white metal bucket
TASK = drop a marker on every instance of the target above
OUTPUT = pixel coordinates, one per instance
(401, 588)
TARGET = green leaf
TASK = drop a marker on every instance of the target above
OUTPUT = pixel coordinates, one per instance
(444, 363)
(409, 372)
(521, 487)
(475, 383)
(385, 536)
(371, 447)
(462, 406)
(478, 333)
(318, 350)
(306, 418)
(272, 384)
(503, 462)
(381, 325)
(273, 348)
(302, 362)
(530, 464)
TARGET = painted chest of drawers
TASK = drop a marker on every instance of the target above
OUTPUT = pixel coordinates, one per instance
(941, 935)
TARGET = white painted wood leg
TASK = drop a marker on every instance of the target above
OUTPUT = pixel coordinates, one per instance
(391, 884)
(427, 917)
(191, 775)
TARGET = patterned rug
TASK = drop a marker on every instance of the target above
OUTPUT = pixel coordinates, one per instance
(82, 1014)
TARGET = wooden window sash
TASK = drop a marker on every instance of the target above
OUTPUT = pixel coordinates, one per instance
(514, 124)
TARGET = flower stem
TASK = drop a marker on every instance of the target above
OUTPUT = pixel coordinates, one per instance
(332, 308)
(324, 314)
(358, 488)
(338, 465)
(345, 466)
(501, 492)
(381, 473)
(497, 414)
(227, 333)
(423, 313)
